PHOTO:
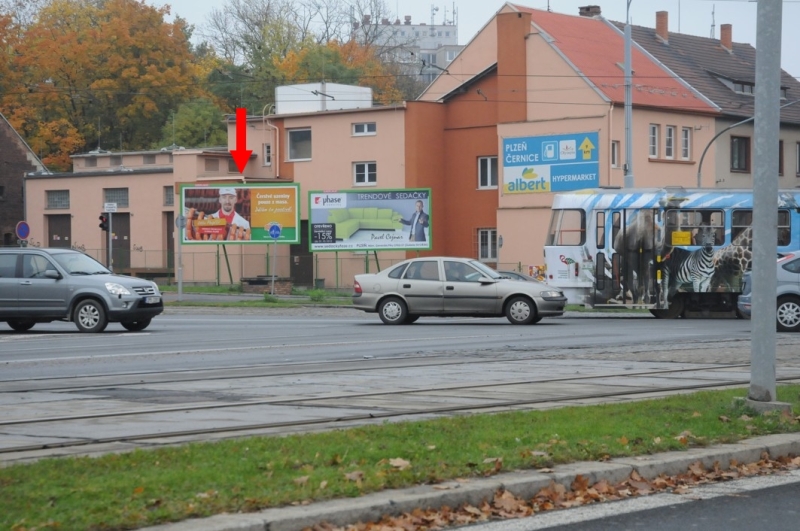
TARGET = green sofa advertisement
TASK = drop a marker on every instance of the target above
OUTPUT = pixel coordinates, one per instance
(374, 220)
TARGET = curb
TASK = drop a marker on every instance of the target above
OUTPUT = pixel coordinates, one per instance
(524, 484)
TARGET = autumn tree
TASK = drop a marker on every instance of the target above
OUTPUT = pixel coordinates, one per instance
(99, 74)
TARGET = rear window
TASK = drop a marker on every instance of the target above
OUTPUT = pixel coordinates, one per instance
(567, 227)
(397, 272)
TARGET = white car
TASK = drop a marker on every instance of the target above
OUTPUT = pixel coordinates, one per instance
(444, 286)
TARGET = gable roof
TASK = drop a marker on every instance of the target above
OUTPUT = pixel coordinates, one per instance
(702, 61)
(597, 51)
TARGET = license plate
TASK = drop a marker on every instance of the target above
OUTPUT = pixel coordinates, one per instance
(152, 300)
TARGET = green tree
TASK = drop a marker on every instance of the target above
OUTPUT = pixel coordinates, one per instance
(198, 123)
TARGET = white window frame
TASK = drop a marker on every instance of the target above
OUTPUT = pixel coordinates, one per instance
(653, 141)
(686, 143)
(669, 142)
(267, 150)
(365, 129)
(290, 142)
(797, 159)
(487, 173)
(490, 253)
(362, 170)
(169, 196)
(615, 153)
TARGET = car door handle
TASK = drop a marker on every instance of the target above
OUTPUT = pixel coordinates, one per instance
(406, 285)
(451, 288)
(25, 283)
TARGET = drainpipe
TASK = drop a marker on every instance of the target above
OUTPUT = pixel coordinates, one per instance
(277, 154)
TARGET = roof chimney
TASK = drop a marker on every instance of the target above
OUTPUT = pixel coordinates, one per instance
(407, 19)
(365, 19)
(589, 11)
(726, 36)
(662, 25)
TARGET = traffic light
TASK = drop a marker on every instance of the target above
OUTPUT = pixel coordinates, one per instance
(103, 221)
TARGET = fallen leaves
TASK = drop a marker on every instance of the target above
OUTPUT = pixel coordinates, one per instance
(400, 463)
(505, 504)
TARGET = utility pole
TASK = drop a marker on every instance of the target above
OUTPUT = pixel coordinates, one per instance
(628, 103)
(762, 394)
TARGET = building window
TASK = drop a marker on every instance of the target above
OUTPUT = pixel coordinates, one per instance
(91, 162)
(169, 196)
(232, 167)
(365, 173)
(686, 143)
(797, 159)
(2, 192)
(116, 195)
(487, 243)
(211, 164)
(149, 159)
(743, 88)
(57, 198)
(487, 172)
(740, 153)
(780, 158)
(116, 160)
(450, 54)
(300, 144)
(267, 154)
(669, 146)
(170, 158)
(369, 128)
(653, 153)
(615, 153)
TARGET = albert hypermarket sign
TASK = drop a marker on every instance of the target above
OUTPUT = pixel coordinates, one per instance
(556, 163)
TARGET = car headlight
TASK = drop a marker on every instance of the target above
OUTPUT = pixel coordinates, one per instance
(117, 289)
(551, 294)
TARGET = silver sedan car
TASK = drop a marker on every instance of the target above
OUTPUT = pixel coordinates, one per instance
(444, 286)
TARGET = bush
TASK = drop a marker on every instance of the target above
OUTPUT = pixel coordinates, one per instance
(270, 298)
(317, 295)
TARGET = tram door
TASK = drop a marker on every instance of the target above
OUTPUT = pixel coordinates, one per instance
(635, 239)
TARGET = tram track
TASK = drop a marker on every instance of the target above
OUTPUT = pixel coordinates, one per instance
(368, 413)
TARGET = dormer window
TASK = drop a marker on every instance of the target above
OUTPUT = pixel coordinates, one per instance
(743, 88)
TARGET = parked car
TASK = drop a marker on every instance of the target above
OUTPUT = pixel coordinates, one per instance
(44, 285)
(788, 277)
(516, 275)
(445, 286)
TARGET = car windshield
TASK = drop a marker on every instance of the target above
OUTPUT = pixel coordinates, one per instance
(486, 270)
(80, 264)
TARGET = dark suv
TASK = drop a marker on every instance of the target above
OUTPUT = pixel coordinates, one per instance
(44, 285)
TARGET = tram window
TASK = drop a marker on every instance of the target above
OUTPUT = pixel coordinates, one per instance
(740, 220)
(690, 221)
(600, 232)
(784, 228)
(567, 227)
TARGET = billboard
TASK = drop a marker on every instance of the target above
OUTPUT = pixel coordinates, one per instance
(374, 220)
(558, 163)
(242, 213)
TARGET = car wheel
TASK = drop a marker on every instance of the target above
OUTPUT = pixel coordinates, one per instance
(788, 314)
(393, 311)
(136, 326)
(536, 320)
(21, 326)
(411, 319)
(90, 316)
(520, 310)
(674, 311)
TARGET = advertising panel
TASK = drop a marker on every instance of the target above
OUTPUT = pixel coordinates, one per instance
(374, 220)
(242, 213)
(558, 163)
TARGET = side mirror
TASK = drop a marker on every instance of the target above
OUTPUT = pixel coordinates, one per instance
(487, 280)
(52, 273)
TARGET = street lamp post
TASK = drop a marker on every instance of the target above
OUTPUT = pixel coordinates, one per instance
(628, 103)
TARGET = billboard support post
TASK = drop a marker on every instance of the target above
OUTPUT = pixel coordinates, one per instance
(272, 272)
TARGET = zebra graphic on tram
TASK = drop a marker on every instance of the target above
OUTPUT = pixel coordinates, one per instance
(667, 250)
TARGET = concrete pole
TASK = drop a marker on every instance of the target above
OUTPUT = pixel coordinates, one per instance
(765, 199)
(628, 103)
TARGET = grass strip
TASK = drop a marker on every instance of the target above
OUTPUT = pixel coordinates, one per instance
(148, 487)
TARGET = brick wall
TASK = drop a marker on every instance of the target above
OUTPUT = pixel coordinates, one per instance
(13, 166)
(283, 286)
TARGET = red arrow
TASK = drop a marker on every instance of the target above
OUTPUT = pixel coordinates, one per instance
(241, 154)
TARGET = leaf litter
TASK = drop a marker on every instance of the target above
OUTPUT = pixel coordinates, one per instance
(505, 504)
